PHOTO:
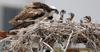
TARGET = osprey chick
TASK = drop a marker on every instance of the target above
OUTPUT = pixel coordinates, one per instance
(69, 19)
(62, 14)
(71, 16)
(86, 22)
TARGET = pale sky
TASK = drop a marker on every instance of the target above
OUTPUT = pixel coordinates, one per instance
(80, 7)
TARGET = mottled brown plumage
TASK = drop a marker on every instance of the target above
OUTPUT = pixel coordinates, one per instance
(27, 13)
(33, 11)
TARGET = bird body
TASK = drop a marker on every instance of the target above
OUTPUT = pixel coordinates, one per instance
(27, 14)
(33, 12)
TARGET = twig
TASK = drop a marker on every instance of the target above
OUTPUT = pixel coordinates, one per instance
(68, 42)
(90, 41)
(52, 50)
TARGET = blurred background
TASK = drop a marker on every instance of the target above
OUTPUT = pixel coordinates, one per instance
(9, 9)
(81, 8)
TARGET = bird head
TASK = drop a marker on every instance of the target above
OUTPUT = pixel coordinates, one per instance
(63, 12)
(56, 11)
(87, 18)
(71, 15)
(53, 8)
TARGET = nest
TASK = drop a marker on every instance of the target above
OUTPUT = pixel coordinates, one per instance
(51, 35)
(35, 38)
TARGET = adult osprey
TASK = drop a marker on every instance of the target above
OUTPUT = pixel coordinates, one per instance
(34, 11)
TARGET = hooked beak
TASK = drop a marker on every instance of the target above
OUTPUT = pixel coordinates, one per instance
(56, 11)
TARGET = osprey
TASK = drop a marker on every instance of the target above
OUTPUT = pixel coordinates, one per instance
(27, 13)
(86, 22)
(71, 17)
(69, 20)
(34, 11)
(62, 12)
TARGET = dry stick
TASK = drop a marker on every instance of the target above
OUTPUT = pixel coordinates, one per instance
(68, 42)
(41, 45)
(20, 21)
(90, 41)
(5, 39)
(52, 50)
(36, 25)
(30, 29)
(47, 36)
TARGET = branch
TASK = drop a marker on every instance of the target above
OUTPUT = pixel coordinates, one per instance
(66, 46)
(52, 50)
(90, 41)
